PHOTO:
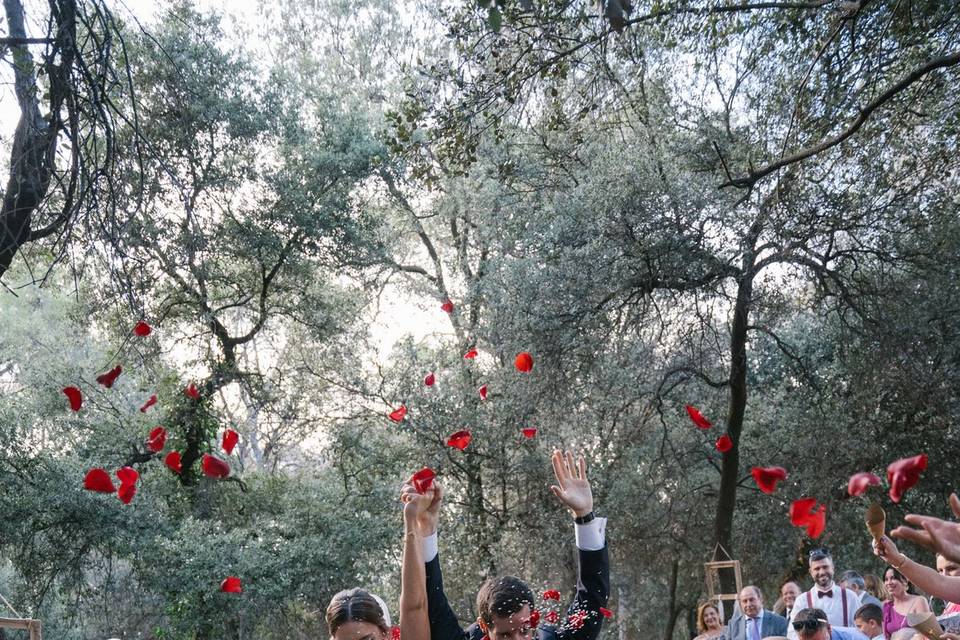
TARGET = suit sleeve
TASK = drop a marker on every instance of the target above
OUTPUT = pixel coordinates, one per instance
(584, 619)
(444, 624)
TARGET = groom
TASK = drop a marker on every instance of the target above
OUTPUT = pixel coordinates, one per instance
(505, 604)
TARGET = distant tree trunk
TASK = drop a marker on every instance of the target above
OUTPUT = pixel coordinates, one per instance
(673, 612)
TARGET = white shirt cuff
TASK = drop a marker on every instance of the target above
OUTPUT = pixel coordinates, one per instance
(430, 547)
(591, 536)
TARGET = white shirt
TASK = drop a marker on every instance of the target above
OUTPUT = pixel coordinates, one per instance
(832, 606)
(590, 537)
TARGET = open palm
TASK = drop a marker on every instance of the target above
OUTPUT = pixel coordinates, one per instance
(572, 488)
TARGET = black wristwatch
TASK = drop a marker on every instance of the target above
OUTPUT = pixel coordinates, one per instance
(585, 519)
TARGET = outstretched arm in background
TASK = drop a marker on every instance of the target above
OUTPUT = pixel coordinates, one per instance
(924, 577)
(414, 622)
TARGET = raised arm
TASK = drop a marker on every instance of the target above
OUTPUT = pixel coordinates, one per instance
(926, 578)
(584, 616)
(940, 535)
(414, 622)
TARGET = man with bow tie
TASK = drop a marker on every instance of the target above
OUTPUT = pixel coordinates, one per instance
(838, 603)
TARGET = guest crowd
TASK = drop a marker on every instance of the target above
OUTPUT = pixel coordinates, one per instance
(854, 606)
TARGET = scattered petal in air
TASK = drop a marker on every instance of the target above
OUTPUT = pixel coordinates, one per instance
(398, 414)
(394, 632)
(697, 417)
(214, 467)
(768, 477)
(422, 480)
(157, 440)
(551, 594)
(483, 392)
(534, 619)
(142, 329)
(905, 473)
(724, 443)
(523, 362)
(152, 400)
(575, 619)
(447, 306)
(127, 476)
(552, 617)
(107, 379)
(860, 482)
(606, 613)
(817, 522)
(230, 440)
(231, 584)
(98, 480)
(173, 462)
(459, 440)
(126, 492)
(74, 396)
(191, 391)
(529, 433)
(471, 354)
(801, 510)
(429, 379)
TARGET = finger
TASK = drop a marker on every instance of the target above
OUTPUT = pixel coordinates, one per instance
(583, 468)
(570, 466)
(913, 535)
(955, 504)
(557, 491)
(555, 460)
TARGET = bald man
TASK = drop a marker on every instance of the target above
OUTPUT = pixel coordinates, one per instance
(754, 622)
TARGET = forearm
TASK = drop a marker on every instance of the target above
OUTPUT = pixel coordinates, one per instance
(414, 624)
(927, 579)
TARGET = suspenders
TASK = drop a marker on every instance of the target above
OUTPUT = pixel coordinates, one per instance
(843, 597)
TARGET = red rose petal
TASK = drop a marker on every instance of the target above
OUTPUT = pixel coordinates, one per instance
(529, 433)
(231, 584)
(859, 483)
(107, 379)
(152, 400)
(98, 480)
(447, 306)
(127, 476)
(483, 392)
(429, 379)
(905, 473)
(534, 619)
(817, 522)
(230, 440)
(575, 619)
(394, 632)
(552, 617)
(398, 414)
(768, 477)
(74, 396)
(142, 329)
(126, 493)
(459, 440)
(606, 613)
(214, 467)
(157, 439)
(422, 480)
(471, 354)
(801, 510)
(191, 391)
(523, 362)
(551, 594)
(697, 417)
(173, 462)
(724, 443)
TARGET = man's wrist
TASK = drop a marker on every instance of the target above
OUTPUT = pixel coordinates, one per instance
(584, 517)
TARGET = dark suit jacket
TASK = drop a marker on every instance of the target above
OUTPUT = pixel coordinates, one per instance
(770, 625)
(593, 588)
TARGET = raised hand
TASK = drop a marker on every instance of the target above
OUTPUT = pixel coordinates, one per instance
(940, 535)
(887, 550)
(572, 488)
(422, 510)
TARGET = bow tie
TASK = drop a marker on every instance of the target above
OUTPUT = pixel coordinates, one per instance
(825, 594)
